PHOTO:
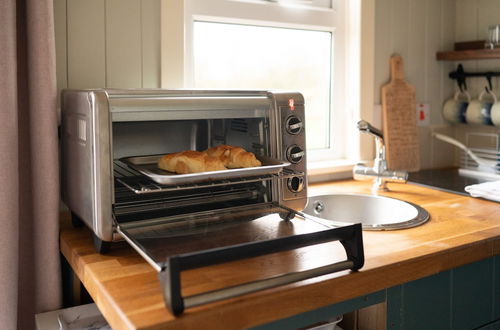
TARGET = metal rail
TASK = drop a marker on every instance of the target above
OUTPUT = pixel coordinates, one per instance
(140, 184)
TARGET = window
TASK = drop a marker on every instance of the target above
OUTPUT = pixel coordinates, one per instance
(267, 44)
(235, 56)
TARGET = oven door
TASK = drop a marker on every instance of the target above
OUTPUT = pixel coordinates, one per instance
(201, 239)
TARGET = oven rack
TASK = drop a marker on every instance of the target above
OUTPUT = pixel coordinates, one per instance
(141, 184)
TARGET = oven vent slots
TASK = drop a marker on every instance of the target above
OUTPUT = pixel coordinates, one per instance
(141, 184)
(239, 125)
(258, 148)
(219, 139)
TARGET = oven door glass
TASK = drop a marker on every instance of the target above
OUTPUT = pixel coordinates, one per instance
(167, 237)
(243, 234)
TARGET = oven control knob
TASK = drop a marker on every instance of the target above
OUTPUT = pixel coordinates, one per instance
(294, 125)
(295, 154)
(296, 184)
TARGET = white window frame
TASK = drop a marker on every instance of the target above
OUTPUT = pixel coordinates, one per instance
(177, 54)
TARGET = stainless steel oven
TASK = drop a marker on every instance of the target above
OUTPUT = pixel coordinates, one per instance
(112, 140)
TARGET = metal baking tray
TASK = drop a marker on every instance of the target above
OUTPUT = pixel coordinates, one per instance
(147, 165)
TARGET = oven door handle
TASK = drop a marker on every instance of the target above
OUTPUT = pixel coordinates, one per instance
(350, 237)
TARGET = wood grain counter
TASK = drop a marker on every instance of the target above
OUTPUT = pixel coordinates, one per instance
(127, 291)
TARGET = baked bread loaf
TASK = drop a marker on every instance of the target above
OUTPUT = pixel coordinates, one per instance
(233, 157)
(190, 162)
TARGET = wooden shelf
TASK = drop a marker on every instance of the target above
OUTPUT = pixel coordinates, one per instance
(472, 54)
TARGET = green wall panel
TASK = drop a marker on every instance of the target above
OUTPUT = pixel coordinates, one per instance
(473, 294)
(325, 313)
(426, 303)
(496, 299)
(495, 325)
(395, 308)
(466, 297)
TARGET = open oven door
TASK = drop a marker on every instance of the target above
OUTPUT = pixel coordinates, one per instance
(176, 244)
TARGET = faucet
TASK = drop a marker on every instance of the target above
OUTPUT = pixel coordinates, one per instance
(379, 171)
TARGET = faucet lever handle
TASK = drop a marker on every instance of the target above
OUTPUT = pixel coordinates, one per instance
(366, 127)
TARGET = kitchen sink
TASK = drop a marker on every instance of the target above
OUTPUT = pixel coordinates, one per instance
(373, 212)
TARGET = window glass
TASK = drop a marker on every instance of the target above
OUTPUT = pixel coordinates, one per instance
(236, 56)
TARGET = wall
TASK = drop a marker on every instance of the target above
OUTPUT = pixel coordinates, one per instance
(417, 29)
(472, 20)
(107, 43)
(116, 43)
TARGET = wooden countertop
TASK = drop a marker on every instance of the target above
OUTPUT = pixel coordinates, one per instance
(127, 291)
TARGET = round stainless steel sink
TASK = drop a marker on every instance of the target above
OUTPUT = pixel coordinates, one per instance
(373, 212)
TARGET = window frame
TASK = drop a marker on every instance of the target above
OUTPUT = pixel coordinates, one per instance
(178, 17)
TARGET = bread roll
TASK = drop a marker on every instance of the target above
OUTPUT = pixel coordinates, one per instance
(233, 157)
(190, 162)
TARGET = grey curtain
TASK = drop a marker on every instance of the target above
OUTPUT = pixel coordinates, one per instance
(29, 180)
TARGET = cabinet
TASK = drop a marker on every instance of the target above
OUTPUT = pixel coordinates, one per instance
(466, 297)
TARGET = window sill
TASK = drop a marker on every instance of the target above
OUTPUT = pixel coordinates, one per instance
(330, 170)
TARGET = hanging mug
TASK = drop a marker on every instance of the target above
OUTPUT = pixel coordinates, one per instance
(479, 111)
(454, 109)
(495, 114)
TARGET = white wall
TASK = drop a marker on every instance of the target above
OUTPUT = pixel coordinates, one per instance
(107, 43)
(472, 20)
(417, 29)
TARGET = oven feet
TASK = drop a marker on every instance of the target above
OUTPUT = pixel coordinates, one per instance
(101, 246)
(76, 222)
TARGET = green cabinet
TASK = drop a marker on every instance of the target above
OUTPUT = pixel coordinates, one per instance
(325, 313)
(466, 297)
(415, 304)
(463, 298)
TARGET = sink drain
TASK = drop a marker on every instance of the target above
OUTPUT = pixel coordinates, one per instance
(318, 207)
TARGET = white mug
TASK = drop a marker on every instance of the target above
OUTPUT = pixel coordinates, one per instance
(479, 111)
(495, 114)
(454, 109)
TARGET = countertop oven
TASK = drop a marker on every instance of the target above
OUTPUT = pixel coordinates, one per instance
(112, 140)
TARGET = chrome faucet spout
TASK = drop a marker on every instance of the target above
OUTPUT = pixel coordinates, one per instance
(379, 172)
(366, 127)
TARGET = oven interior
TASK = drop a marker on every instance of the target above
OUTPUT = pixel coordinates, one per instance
(161, 137)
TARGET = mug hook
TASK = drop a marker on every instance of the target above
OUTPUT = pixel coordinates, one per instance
(460, 76)
(488, 78)
(461, 84)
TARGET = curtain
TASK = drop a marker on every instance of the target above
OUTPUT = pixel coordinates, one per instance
(29, 175)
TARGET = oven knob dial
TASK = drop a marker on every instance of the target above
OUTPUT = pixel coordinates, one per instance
(296, 184)
(294, 125)
(295, 154)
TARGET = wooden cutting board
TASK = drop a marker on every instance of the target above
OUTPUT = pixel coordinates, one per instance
(399, 119)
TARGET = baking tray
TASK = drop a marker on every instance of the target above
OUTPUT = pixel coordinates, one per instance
(147, 165)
